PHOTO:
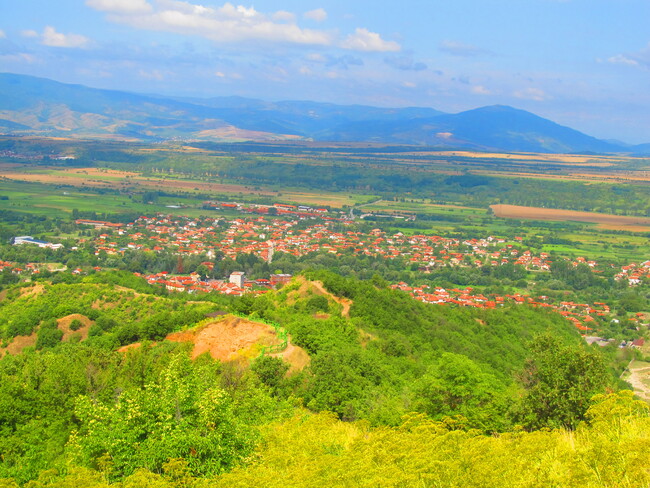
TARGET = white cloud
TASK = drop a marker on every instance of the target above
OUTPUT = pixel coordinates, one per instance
(29, 33)
(318, 15)
(228, 23)
(408, 84)
(316, 57)
(53, 38)
(231, 23)
(640, 59)
(621, 59)
(151, 75)
(364, 40)
(456, 48)
(123, 6)
(2, 34)
(284, 16)
(480, 90)
(221, 75)
(534, 94)
(18, 58)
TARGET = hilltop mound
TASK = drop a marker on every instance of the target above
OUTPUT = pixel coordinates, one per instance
(64, 324)
(233, 338)
(228, 338)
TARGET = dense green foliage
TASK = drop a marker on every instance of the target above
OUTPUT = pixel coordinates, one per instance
(610, 450)
(121, 315)
(82, 405)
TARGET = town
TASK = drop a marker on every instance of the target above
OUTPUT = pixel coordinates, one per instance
(300, 236)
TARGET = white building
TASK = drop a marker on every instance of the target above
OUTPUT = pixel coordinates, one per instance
(17, 241)
(238, 278)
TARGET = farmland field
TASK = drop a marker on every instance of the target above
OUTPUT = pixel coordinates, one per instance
(539, 197)
(604, 221)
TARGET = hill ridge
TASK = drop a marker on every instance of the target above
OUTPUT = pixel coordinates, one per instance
(39, 106)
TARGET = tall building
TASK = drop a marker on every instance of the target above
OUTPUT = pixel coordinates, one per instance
(238, 278)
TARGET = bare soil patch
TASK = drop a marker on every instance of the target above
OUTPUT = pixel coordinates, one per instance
(344, 302)
(99, 172)
(615, 222)
(308, 288)
(32, 290)
(64, 325)
(57, 179)
(562, 158)
(84, 177)
(21, 342)
(198, 185)
(317, 199)
(228, 339)
(129, 347)
(296, 356)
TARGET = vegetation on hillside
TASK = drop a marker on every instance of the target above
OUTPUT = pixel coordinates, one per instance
(452, 372)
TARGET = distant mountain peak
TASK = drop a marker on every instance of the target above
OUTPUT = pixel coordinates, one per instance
(35, 106)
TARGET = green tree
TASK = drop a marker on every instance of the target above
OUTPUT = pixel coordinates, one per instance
(559, 382)
(456, 385)
(175, 418)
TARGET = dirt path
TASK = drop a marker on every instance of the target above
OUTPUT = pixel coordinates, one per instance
(638, 376)
(344, 302)
(296, 356)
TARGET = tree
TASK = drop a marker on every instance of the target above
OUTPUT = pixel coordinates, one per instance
(173, 419)
(456, 385)
(559, 382)
(48, 337)
(270, 370)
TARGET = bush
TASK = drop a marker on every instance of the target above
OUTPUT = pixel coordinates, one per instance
(76, 325)
(48, 338)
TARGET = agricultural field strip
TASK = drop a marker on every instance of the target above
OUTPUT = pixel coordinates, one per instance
(536, 213)
(604, 177)
(79, 177)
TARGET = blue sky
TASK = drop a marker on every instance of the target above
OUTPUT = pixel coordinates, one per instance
(581, 63)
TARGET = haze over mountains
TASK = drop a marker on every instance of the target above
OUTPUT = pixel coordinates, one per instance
(37, 106)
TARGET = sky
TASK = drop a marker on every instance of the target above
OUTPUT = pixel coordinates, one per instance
(580, 63)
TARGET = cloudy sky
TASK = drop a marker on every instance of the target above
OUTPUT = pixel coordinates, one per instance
(581, 63)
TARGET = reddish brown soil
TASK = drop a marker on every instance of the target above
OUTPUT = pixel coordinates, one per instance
(32, 290)
(234, 338)
(308, 288)
(129, 347)
(228, 338)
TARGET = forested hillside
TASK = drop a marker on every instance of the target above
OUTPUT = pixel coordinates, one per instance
(436, 383)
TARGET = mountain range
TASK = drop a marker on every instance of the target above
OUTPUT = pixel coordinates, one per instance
(38, 106)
